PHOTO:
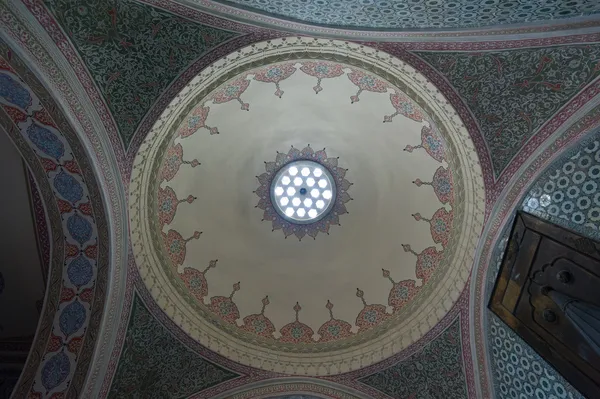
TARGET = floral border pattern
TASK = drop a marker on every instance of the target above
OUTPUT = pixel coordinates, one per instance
(256, 383)
(64, 343)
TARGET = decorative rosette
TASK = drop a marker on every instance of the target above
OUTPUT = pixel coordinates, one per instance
(310, 229)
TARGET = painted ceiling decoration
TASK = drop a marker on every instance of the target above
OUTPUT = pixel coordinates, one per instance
(114, 31)
(414, 14)
(436, 364)
(154, 129)
(566, 193)
(203, 255)
(300, 389)
(133, 51)
(148, 343)
(150, 330)
(588, 124)
(75, 299)
(281, 207)
(513, 93)
(497, 177)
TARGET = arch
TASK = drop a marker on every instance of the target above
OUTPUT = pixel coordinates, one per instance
(293, 388)
(78, 207)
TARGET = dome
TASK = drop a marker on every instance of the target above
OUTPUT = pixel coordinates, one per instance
(371, 275)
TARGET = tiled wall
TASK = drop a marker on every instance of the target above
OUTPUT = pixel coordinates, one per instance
(417, 14)
(566, 194)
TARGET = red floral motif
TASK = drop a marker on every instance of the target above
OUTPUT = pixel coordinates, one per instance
(167, 204)
(5, 65)
(72, 167)
(432, 143)
(232, 91)
(404, 106)
(66, 207)
(175, 245)
(85, 208)
(427, 261)
(365, 82)
(440, 224)
(74, 344)
(195, 280)
(16, 115)
(401, 293)
(48, 164)
(259, 324)
(334, 329)
(322, 70)
(43, 117)
(173, 162)
(442, 185)
(54, 343)
(275, 74)
(196, 120)
(296, 332)
(66, 295)
(71, 250)
(91, 251)
(371, 315)
(87, 295)
(224, 307)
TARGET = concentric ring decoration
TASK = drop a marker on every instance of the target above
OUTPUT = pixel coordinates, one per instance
(297, 332)
(327, 207)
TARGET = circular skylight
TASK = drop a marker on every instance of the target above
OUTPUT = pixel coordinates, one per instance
(303, 192)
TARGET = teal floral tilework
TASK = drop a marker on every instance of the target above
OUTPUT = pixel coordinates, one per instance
(513, 93)
(434, 372)
(419, 14)
(155, 364)
(133, 51)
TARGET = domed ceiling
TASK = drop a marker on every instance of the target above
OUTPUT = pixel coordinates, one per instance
(381, 268)
(185, 122)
